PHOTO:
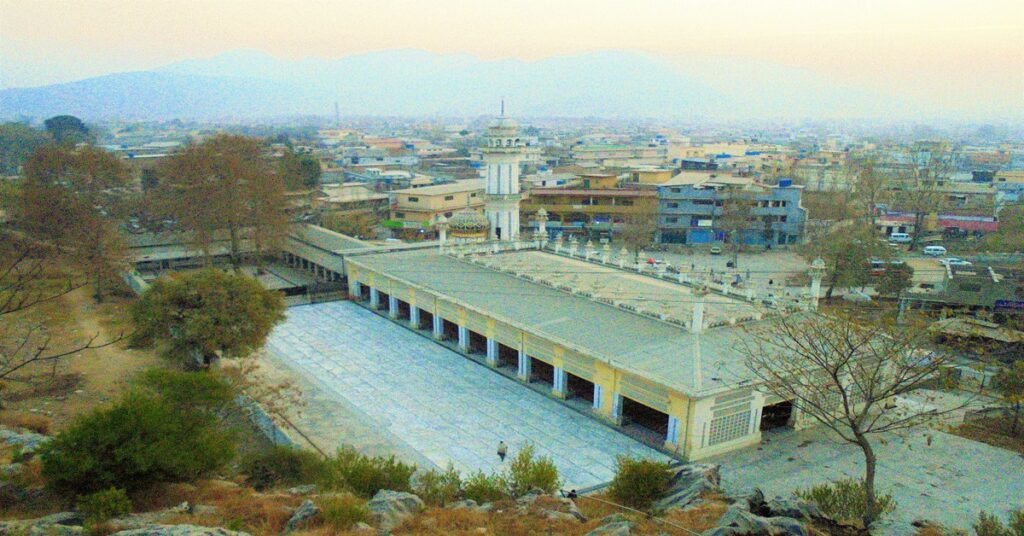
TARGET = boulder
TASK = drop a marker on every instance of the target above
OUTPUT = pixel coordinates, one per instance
(688, 483)
(302, 515)
(740, 521)
(390, 508)
(794, 508)
(465, 504)
(179, 530)
(306, 489)
(616, 527)
(787, 526)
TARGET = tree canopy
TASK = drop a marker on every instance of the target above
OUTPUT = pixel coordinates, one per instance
(224, 185)
(201, 315)
(847, 249)
(71, 196)
(299, 171)
(67, 129)
(17, 143)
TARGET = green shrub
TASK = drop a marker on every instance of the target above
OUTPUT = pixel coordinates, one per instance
(526, 473)
(990, 525)
(438, 488)
(341, 512)
(485, 488)
(281, 466)
(140, 441)
(189, 392)
(104, 505)
(363, 475)
(638, 483)
(845, 500)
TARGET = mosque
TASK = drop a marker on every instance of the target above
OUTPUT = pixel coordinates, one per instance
(653, 353)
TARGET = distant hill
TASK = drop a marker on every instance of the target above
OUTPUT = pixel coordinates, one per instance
(417, 83)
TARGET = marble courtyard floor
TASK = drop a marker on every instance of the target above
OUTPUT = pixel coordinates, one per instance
(382, 388)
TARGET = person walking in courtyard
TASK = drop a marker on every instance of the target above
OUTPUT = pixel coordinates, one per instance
(502, 450)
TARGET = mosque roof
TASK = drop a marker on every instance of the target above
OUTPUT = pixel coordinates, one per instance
(469, 220)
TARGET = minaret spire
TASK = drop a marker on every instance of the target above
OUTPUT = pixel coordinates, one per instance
(503, 107)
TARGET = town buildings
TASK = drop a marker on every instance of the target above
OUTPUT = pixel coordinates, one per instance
(418, 209)
(708, 207)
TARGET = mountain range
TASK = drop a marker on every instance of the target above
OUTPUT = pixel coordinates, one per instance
(608, 84)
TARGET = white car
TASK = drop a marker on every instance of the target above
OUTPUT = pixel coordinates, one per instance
(954, 261)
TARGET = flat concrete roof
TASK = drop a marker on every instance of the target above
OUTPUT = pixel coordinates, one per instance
(656, 350)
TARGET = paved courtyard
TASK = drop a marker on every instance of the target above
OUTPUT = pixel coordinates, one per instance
(949, 481)
(432, 403)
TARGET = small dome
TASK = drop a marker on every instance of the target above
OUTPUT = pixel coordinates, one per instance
(441, 219)
(468, 220)
(541, 212)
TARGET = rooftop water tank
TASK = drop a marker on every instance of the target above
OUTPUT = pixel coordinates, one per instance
(785, 183)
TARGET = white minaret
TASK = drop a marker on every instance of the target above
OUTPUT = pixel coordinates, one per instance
(501, 155)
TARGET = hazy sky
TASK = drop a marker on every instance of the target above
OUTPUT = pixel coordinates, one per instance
(940, 50)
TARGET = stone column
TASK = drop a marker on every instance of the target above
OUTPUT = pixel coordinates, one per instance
(525, 366)
(617, 407)
(492, 352)
(560, 385)
(438, 326)
(673, 431)
(355, 289)
(606, 252)
(414, 316)
(374, 298)
(598, 396)
(392, 307)
(464, 338)
(588, 250)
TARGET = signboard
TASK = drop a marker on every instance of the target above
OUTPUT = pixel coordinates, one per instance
(703, 223)
(1009, 304)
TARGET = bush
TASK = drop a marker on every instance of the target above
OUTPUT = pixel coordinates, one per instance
(104, 505)
(438, 488)
(526, 473)
(638, 483)
(485, 488)
(188, 392)
(341, 512)
(140, 441)
(990, 525)
(845, 500)
(363, 475)
(281, 466)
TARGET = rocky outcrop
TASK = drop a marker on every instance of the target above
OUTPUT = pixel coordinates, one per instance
(27, 442)
(391, 508)
(549, 507)
(179, 530)
(305, 513)
(61, 523)
(688, 483)
(739, 521)
(613, 525)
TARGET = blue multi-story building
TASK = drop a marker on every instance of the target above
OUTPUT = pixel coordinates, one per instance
(707, 207)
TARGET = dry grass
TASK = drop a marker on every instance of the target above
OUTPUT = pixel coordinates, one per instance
(987, 430)
(29, 421)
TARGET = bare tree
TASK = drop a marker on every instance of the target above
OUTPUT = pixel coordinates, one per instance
(638, 232)
(27, 355)
(844, 372)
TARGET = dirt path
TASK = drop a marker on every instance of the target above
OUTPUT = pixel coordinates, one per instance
(104, 372)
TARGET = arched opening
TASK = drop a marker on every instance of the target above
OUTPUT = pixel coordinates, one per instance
(541, 372)
(403, 310)
(426, 320)
(477, 343)
(450, 331)
(508, 358)
(643, 422)
(777, 416)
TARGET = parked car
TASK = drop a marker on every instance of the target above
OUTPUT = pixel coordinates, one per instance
(716, 250)
(955, 261)
(900, 238)
(934, 251)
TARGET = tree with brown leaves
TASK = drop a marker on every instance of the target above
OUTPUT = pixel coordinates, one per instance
(70, 197)
(225, 185)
